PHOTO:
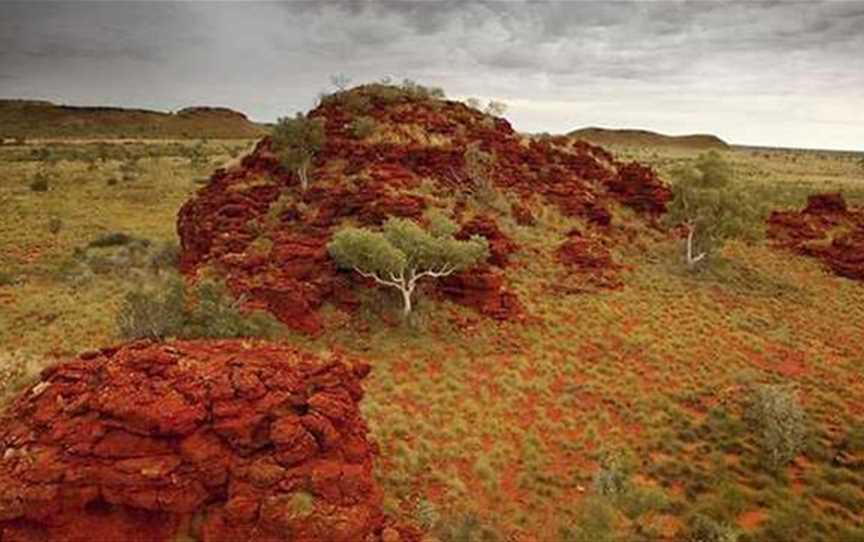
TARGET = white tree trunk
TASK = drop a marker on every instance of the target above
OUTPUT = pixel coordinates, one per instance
(406, 284)
(406, 299)
(692, 260)
(304, 177)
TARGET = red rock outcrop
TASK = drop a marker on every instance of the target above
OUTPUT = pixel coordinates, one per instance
(483, 289)
(589, 257)
(500, 245)
(254, 226)
(826, 229)
(637, 186)
(229, 440)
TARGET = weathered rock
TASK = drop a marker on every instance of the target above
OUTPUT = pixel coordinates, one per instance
(253, 224)
(826, 229)
(500, 245)
(522, 215)
(256, 441)
(825, 203)
(637, 186)
(584, 254)
(482, 289)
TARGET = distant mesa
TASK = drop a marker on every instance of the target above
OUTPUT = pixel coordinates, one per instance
(43, 119)
(631, 137)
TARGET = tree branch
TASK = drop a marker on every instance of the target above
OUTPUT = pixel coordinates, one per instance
(443, 272)
(394, 283)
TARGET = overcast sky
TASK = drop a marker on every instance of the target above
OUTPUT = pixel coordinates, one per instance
(775, 73)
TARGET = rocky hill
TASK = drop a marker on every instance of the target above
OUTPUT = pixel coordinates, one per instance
(826, 229)
(253, 224)
(41, 119)
(645, 138)
(254, 441)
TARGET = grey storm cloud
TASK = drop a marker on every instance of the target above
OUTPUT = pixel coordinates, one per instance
(783, 73)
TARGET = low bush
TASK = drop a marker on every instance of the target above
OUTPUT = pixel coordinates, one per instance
(39, 183)
(363, 127)
(113, 239)
(779, 422)
(612, 478)
(595, 522)
(702, 528)
(165, 256)
(17, 370)
(121, 253)
(55, 225)
(6, 278)
(465, 528)
(164, 310)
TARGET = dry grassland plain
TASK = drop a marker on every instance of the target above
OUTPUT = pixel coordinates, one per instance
(608, 415)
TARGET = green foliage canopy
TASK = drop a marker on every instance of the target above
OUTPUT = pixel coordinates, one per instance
(403, 252)
(404, 247)
(296, 141)
(712, 206)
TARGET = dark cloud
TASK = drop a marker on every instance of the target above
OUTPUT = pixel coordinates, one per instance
(758, 72)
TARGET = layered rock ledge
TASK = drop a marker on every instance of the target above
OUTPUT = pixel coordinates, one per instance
(217, 440)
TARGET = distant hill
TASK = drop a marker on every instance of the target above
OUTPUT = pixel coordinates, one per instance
(41, 119)
(608, 136)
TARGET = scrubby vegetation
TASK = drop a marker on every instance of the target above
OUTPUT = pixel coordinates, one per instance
(712, 207)
(403, 253)
(296, 141)
(779, 422)
(497, 428)
(164, 310)
(17, 370)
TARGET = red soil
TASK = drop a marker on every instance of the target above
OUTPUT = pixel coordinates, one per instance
(255, 440)
(590, 257)
(367, 181)
(826, 229)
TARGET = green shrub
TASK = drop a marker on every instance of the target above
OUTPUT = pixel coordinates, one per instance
(129, 171)
(594, 522)
(426, 514)
(296, 141)
(403, 253)
(712, 208)
(363, 127)
(154, 313)
(166, 256)
(113, 239)
(465, 528)
(354, 102)
(612, 478)
(779, 423)
(6, 278)
(55, 225)
(17, 370)
(479, 170)
(163, 310)
(702, 528)
(39, 183)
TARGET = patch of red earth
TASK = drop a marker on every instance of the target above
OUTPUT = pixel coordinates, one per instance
(751, 519)
(590, 257)
(128, 443)
(826, 229)
(778, 359)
